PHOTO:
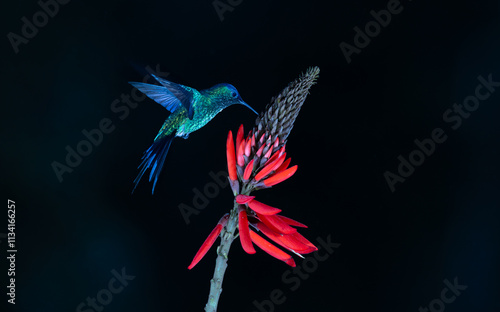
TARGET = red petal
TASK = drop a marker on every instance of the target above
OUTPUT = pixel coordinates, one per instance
(290, 262)
(271, 249)
(282, 150)
(283, 165)
(231, 160)
(239, 136)
(303, 240)
(241, 150)
(259, 151)
(245, 240)
(244, 199)
(287, 241)
(263, 209)
(292, 222)
(268, 153)
(273, 158)
(248, 147)
(277, 142)
(253, 139)
(269, 167)
(279, 161)
(248, 170)
(280, 177)
(209, 241)
(276, 224)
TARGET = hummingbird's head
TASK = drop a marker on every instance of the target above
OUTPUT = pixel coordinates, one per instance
(228, 95)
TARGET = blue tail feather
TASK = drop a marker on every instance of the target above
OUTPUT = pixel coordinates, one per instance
(154, 155)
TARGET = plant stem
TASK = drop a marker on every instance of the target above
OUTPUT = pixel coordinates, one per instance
(227, 237)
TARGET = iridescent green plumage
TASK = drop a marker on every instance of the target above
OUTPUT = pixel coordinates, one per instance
(191, 110)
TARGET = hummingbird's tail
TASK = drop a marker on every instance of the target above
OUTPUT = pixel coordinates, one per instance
(155, 157)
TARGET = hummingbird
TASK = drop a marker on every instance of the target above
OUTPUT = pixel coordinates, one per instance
(190, 110)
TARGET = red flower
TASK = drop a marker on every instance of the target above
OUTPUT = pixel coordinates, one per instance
(254, 164)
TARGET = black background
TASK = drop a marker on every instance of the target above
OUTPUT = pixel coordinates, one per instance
(396, 247)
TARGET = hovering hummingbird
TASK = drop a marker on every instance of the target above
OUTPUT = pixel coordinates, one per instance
(190, 110)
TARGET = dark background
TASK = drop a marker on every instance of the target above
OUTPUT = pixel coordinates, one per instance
(396, 247)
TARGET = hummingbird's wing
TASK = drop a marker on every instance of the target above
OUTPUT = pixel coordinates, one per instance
(159, 94)
(183, 93)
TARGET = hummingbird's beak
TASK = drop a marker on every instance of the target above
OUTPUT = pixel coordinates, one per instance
(245, 104)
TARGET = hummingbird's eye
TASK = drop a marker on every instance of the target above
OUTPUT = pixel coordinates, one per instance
(234, 94)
